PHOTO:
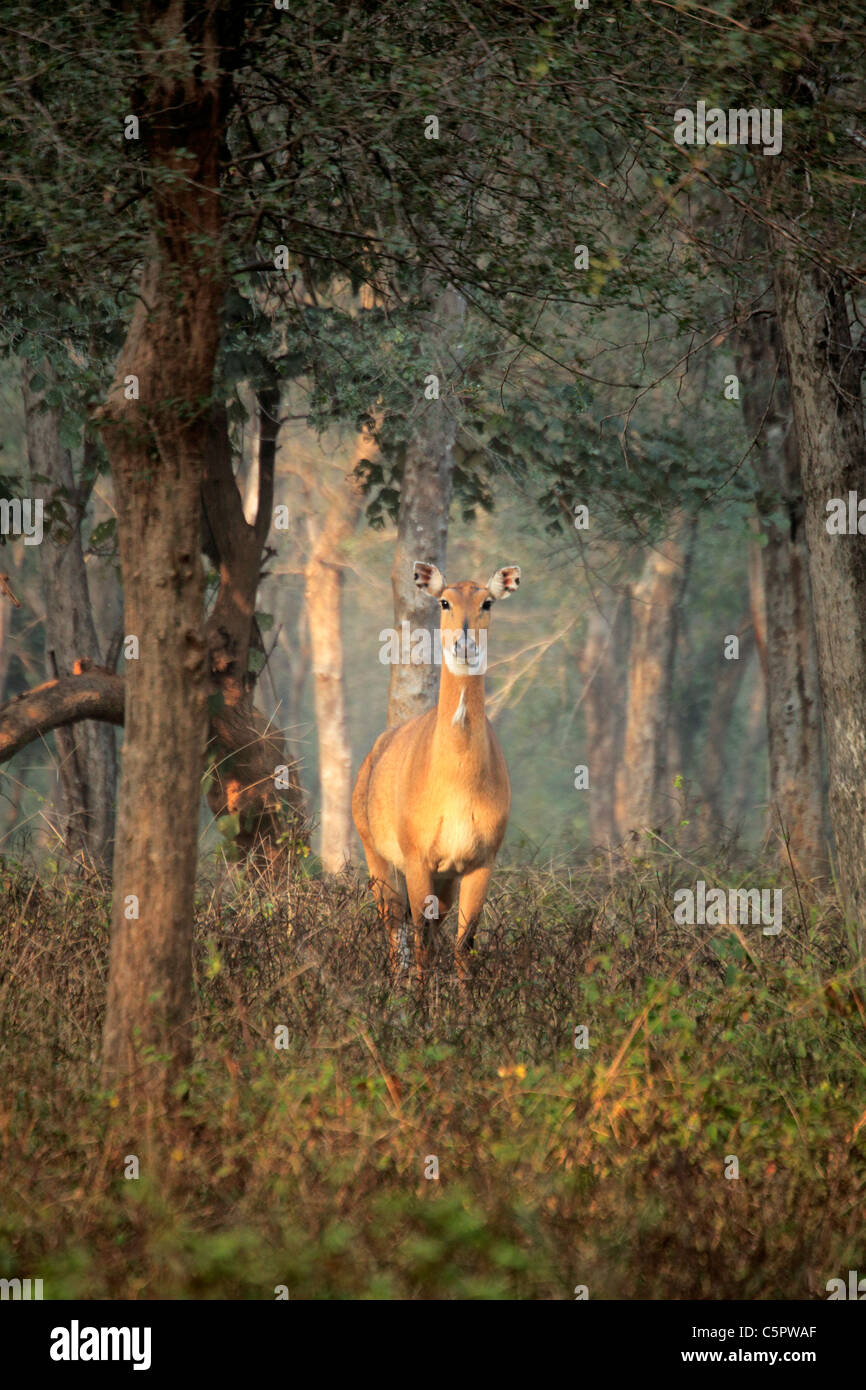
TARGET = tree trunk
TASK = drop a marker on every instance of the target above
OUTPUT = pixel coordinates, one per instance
(8, 601)
(789, 656)
(824, 371)
(245, 751)
(103, 581)
(422, 525)
(603, 666)
(155, 427)
(642, 800)
(325, 618)
(86, 752)
(5, 643)
(297, 655)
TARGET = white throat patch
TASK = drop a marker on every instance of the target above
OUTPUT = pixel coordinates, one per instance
(458, 667)
(459, 716)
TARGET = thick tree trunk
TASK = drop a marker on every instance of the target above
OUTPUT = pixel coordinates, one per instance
(325, 618)
(158, 508)
(86, 752)
(824, 370)
(789, 654)
(155, 427)
(642, 799)
(603, 666)
(422, 525)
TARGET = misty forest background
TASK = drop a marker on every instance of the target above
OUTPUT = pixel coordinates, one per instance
(290, 300)
(542, 654)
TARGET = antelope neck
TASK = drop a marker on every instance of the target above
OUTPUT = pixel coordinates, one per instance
(461, 705)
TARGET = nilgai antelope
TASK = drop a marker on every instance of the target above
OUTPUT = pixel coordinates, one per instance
(432, 798)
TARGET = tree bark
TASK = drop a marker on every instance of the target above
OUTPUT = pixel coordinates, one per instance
(789, 654)
(824, 370)
(641, 798)
(325, 618)
(86, 752)
(103, 580)
(422, 524)
(156, 438)
(297, 655)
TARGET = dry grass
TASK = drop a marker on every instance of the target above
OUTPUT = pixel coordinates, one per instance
(305, 1166)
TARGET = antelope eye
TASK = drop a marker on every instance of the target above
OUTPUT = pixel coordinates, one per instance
(445, 603)
(487, 604)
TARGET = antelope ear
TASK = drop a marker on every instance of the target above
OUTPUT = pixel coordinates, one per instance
(428, 579)
(504, 581)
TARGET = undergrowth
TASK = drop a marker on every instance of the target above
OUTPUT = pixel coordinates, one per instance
(308, 1165)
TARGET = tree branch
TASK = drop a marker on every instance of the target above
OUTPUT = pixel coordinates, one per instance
(31, 715)
(269, 424)
(223, 504)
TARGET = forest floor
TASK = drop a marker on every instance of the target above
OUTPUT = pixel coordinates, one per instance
(323, 1100)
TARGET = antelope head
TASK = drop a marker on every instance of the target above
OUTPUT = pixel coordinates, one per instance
(465, 613)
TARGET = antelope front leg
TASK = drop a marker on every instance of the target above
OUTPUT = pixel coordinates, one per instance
(473, 891)
(390, 906)
(422, 896)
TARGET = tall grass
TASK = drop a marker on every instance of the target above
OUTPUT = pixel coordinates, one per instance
(304, 1165)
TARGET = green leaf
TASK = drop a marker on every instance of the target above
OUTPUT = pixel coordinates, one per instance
(229, 826)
